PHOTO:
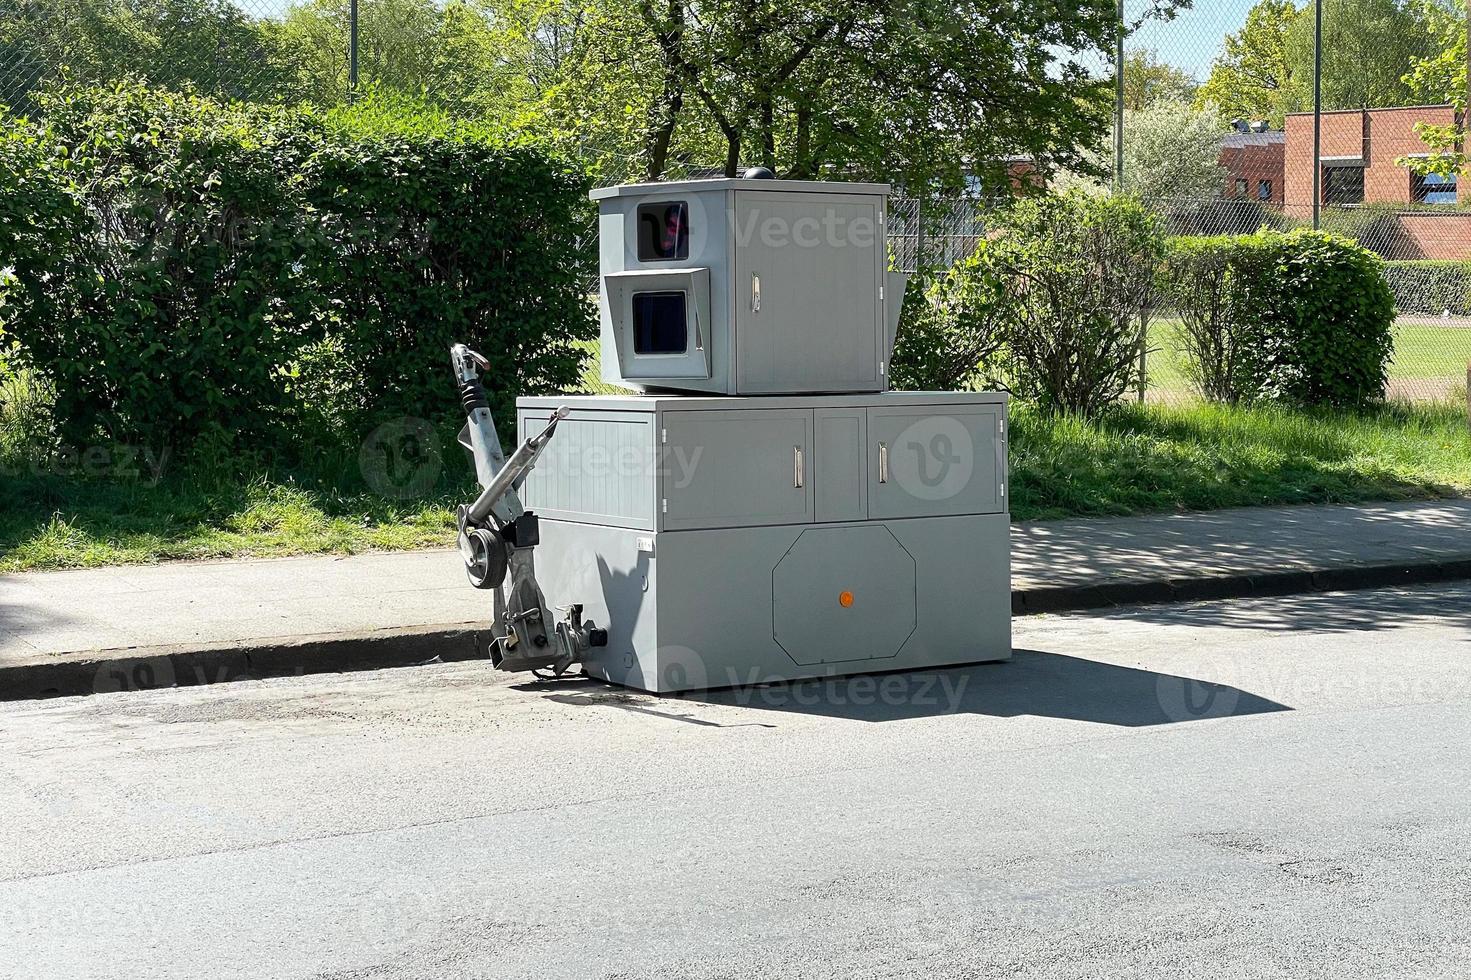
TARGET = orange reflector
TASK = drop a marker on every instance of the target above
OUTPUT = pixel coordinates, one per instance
(845, 599)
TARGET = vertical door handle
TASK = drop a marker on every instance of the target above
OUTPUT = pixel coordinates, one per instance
(797, 467)
(755, 293)
(883, 462)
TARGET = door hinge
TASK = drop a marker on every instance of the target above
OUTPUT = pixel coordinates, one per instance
(1003, 489)
(1001, 426)
(664, 436)
(881, 292)
(664, 505)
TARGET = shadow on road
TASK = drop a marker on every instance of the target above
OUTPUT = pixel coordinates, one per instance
(1047, 685)
(1340, 612)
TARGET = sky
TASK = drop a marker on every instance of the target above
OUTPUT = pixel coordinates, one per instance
(1193, 39)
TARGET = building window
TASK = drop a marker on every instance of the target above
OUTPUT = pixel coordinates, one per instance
(1240, 186)
(1433, 188)
(1343, 185)
(1264, 190)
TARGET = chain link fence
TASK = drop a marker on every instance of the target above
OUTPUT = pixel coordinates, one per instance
(1218, 131)
(1219, 137)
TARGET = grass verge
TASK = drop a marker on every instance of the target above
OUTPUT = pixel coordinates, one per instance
(1154, 458)
(1140, 459)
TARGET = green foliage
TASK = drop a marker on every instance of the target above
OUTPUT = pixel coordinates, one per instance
(1428, 286)
(428, 241)
(232, 278)
(1080, 271)
(1255, 76)
(1303, 317)
(1377, 227)
(165, 318)
(1368, 48)
(1172, 153)
(1198, 283)
(950, 330)
(211, 45)
(1149, 81)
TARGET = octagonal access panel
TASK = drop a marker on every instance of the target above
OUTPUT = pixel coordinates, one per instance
(842, 594)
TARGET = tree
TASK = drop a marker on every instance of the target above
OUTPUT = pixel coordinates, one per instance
(1171, 155)
(1172, 152)
(1148, 80)
(210, 45)
(1368, 48)
(907, 89)
(1442, 77)
(1255, 78)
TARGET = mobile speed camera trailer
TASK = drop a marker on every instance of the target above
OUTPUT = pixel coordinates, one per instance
(764, 508)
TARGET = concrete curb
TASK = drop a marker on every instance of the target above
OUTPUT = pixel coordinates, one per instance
(143, 668)
(1070, 598)
(140, 668)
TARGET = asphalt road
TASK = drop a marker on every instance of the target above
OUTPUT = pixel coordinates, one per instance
(1275, 788)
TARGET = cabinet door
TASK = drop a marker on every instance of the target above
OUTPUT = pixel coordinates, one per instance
(839, 471)
(936, 461)
(736, 468)
(807, 277)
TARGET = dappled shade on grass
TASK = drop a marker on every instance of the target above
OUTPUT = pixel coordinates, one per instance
(1135, 460)
(58, 522)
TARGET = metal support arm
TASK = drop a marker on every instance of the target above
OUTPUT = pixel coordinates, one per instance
(497, 535)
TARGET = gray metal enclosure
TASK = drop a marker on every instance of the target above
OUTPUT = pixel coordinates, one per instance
(812, 524)
(728, 544)
(777, 287)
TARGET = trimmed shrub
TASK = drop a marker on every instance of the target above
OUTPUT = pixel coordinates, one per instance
(166, 317)
(1198, 284)
(1430, 287)
(951, 328)
(1303, 317)
(1080, 274)
(189, 273)
(1377, 227)
(425, 241)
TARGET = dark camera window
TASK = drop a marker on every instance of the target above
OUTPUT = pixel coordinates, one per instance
(663, 231)
(659, 323)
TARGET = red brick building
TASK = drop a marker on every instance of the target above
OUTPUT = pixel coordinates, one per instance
(1359, 154)
(1253, 160)
(1360, 151)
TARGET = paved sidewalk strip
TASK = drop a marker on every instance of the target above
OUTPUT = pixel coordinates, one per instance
(101, 629)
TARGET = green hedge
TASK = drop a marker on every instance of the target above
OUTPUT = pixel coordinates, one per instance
(1303, 317)
(1430, 287)
(201, 275)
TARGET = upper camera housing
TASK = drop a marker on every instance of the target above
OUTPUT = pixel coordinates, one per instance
(750, 286)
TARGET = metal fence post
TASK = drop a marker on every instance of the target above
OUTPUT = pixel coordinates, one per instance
(352, 47)
(1118, 106)
(1317, 114)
